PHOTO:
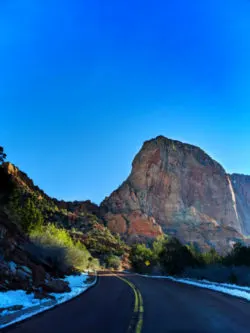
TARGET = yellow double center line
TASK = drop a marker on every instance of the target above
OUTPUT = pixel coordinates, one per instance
(137, 319)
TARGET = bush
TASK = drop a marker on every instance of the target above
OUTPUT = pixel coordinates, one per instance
(113, 262)
(142, 258)
(60, 250)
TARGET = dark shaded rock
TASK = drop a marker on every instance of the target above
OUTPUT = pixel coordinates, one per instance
(56, 286)
(38, 274)
(42, 295)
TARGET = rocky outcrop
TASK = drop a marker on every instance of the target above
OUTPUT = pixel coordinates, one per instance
(18, 176)
(77, 207)
(180, 189)
(56, 286)
(134, 224)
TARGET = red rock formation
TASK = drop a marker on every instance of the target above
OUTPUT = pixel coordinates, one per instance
(134, 223)
(179, 187)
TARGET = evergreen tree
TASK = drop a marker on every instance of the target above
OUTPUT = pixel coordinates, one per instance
(2, 155)
(175, 257)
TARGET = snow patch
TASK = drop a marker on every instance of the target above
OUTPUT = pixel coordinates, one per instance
(226, 288)
(9, 298)
(18, 297)
(77, 285)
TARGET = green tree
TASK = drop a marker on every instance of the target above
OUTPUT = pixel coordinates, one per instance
(113, 262)
(211, 257)
(239, 256)
(2, 155)
(142, 258)
(158, 245)
(175, 257)
(31, 217)
(25, 211)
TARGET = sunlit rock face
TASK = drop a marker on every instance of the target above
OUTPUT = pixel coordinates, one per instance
(241, 187)
(183, 192)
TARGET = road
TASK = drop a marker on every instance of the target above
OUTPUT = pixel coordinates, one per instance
(130, 303)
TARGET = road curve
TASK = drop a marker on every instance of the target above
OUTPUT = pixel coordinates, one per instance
(162, 306)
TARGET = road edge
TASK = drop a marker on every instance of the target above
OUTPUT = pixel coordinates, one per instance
(30, 314)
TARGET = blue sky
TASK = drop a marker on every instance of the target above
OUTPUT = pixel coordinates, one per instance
(84, 83)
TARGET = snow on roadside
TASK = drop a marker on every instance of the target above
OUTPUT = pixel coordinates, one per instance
(226, 288)
(17, 297)
(77, 284)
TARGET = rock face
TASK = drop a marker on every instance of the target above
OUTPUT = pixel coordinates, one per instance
(178, 189)
(241, 187)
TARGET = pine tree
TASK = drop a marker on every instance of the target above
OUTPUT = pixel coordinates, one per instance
(2, 155)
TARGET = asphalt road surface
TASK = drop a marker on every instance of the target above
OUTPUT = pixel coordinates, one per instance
(134, 304)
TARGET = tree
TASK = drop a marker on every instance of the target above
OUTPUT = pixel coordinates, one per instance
(2, 155)
(25, 211)
(113, 262)
(141, 258)
(211, 257)
(175, 257)
(158, 245)
(239, 256)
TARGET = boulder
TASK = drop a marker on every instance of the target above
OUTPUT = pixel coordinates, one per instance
(12, 266)
(42, 295)
(56, 286)
(24, 273)
(39, 275)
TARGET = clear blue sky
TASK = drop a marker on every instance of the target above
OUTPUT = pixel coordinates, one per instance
(84, 83)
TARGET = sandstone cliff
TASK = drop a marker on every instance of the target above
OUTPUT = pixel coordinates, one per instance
(241, 188)
(178, 189)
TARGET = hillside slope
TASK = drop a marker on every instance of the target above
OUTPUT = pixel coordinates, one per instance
(41, 237)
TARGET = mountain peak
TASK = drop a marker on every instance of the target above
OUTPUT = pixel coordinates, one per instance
(180, 188)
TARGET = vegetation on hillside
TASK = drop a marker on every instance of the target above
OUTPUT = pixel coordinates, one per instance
(25, 211)
(168, 256)
(103, 244)
(61, 250)
(78, 240)
(68, 240)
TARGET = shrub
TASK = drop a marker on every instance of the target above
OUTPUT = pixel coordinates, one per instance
(142, 258)
(60, 250)
(113, 262)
